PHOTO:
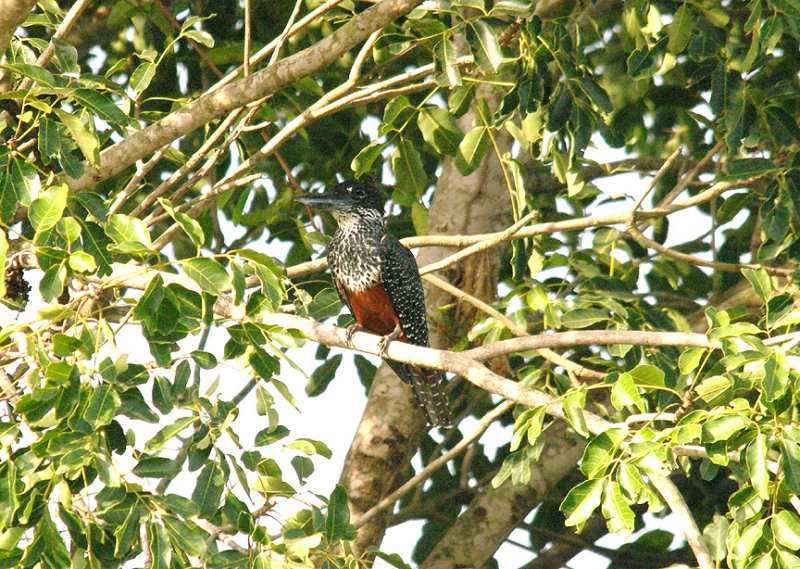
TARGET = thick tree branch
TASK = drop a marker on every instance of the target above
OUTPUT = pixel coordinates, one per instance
(12, 14)
(434, 465)
(677, 504)
(484, 526)
(265, 82)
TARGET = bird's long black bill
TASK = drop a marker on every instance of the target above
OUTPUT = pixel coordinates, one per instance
(320, 201)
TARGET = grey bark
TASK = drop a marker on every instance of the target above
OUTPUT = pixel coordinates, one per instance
(392, 425)
(12, 14)
(495, 512)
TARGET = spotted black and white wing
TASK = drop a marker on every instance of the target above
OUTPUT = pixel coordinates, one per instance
(403, 286)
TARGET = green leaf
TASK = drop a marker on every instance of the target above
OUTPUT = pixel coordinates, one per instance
(3, 251)
(208, 273)
(125, 229)
(561, 108)
(625, 394)
(201, 37)
(583, 317)
(596, 94)
(269, 435)
(142, 76)
(322, 376)
(150, 300)
(407, 167)
(23, 181)
(446, 53)
(206, 360)
(82, 262)
(756, 455)
(439, 129)
(574, 402)
(484, 45)
(272, 486)
(581, 501)
(68, 228)
(208, 491)
(87, 140)
(95, 243)
(102, 406)
(791, 464)
(189, 538)
(745, 168)
(680, 30)
(786, 560)
(713, 387)
(9, 496)
(158, 541)
(776, 377)
(228, 559)
(48, 208)
(474, 146)
(759, 279)
(157, 467)
(690, 359)
(337, 519)
(398, 109)
(271, 286)
(646, 375)
(645, 61)
(723, 428)
(617, 511)
(190, 226)
(166, 433)
(49, 139)
(52, 284)
(38, 74)
(364, 160)
(101, 105)
(600, 452)
(789, 7)
(786, 528)
(715, 535)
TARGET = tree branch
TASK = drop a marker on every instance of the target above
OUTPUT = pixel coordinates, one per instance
(674, 499)
(434, 465)
(12, 14)
(267, 81)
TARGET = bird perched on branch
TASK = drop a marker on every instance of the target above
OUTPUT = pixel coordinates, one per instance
(376, 276)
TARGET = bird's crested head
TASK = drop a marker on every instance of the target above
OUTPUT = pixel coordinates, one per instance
(350, 197)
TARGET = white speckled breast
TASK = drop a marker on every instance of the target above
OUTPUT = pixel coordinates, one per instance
(354, 251)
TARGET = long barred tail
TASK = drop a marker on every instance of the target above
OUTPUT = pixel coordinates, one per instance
(428, 388)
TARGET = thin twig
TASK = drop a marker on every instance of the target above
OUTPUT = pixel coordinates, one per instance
(674, 499)
(133, 184)
(246, 46)
(658, 175)
(691, 175)
(195, 159)
(434, 465)
(480, 246)
(267, 49)
(276, 53)
(218, 533)
(63, 29)
(547, 354)
(646, 242)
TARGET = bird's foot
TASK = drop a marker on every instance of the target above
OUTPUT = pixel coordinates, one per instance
(351, 330)
(384, 341)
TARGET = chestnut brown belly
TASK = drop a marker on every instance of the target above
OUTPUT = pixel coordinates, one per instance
(373, 311)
